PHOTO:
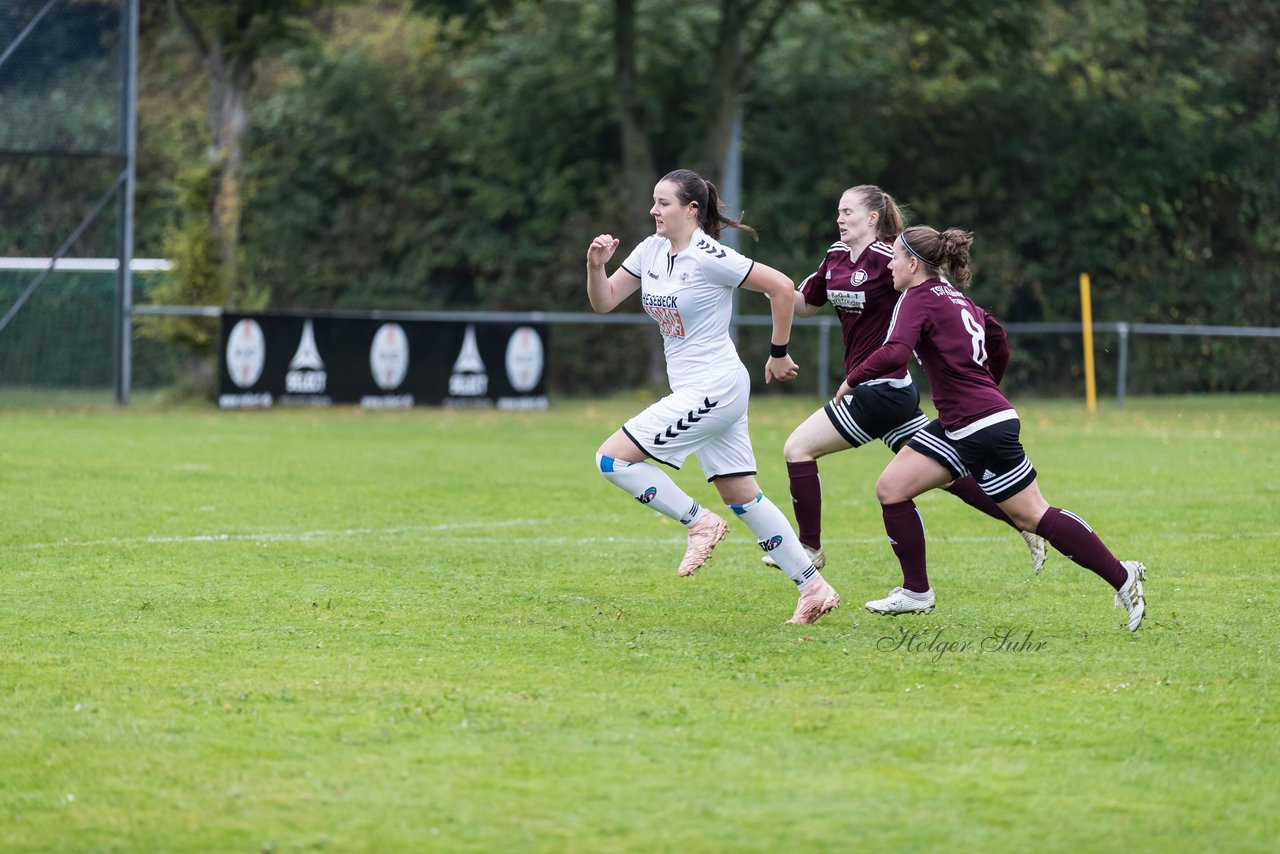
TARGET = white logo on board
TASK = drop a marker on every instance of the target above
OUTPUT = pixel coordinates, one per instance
(306, 369)
(389, 356)
(469, 378)
(246, 352)
(524, 359)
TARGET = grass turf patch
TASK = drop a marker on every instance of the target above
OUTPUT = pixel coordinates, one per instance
(340, 630)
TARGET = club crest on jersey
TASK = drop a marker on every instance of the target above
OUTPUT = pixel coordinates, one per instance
(771, 543)
(684, 277)
(647, 496)
(859, 277)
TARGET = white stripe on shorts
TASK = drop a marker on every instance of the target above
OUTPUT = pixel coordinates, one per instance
(906, 431)
(981, 424)
(1009, 478)
(846, 420)
(942, 449)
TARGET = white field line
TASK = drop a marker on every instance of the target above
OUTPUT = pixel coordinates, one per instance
(435, 531)
(270, 536)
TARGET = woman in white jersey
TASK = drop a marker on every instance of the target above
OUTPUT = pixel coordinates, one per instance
(686, 279)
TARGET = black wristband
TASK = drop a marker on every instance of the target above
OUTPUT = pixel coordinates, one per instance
(777, 351)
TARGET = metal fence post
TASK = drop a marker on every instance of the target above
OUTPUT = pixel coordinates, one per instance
(1122, 371)
(824, 359)
(123, 336)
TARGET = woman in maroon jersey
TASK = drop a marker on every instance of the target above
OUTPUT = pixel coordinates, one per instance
(854, 278)
(964, 352)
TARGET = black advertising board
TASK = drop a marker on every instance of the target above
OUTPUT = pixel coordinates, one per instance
(318, 360)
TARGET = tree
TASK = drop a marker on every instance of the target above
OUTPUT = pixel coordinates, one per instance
(741, 32)
(459, 160)
(231, 38)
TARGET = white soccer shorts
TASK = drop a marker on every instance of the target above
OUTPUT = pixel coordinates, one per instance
(708, 421)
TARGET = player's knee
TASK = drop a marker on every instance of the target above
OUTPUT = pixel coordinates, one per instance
(1026, 518)
(796, 450)
(889, 491)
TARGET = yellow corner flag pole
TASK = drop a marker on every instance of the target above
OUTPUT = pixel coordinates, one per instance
(1086, 319)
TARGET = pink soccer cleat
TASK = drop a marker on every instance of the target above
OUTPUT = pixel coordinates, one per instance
(817, 599)
(703, 536)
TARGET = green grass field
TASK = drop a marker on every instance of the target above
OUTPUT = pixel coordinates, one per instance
(442, 630)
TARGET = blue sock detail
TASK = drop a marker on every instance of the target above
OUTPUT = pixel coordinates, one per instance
(739, 509)
(605, 463)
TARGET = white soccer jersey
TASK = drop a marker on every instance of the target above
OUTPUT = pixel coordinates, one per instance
(690, 295)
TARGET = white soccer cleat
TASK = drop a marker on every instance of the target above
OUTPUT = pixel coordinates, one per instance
(1035, 544)
(817, 599)
(899, 602)
(1131, 595)
(815, 555)
(703, 536)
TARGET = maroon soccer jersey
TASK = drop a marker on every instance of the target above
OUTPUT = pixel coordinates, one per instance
(949, 333)
(861, 292)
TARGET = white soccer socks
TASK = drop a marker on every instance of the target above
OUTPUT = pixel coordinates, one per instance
(650, 485)
(774, 534)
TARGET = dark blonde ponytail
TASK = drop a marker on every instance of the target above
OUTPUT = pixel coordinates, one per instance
(889, 223)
